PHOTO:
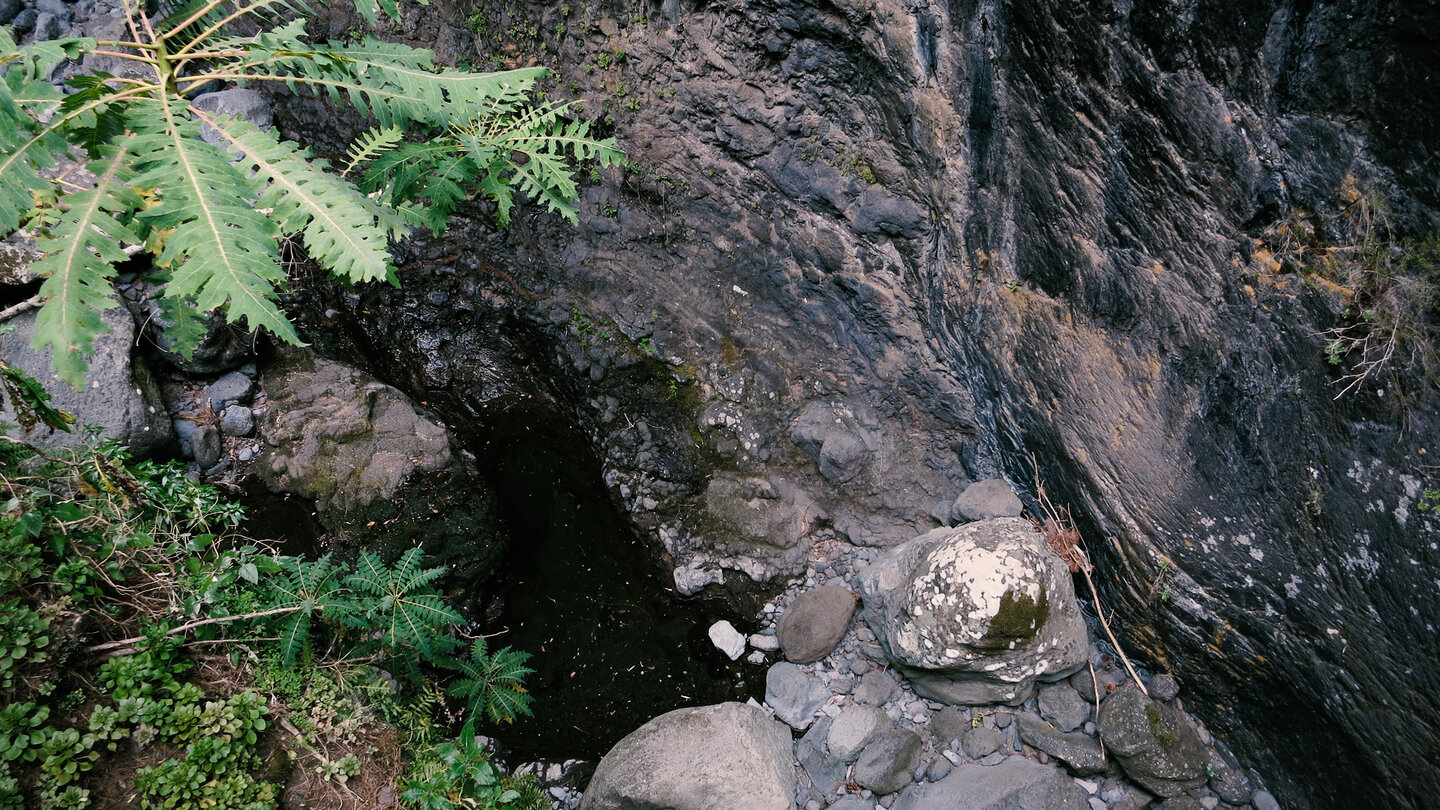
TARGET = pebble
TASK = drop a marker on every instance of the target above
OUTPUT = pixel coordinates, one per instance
(727, 639)
(1264, 801)
(768, 643)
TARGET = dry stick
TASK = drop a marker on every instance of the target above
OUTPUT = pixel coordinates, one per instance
(1100, 614)
(24, 306)
(1096, 681)
(125, 642)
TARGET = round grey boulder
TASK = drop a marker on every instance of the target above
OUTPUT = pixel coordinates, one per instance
(814, 623)
(1158, 745)
(991, 498)
(718, 757)
(975, 614)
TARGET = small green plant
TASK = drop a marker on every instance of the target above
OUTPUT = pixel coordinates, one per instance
(1429, 500)
(491, 683)
(460, 775)
(478, 22)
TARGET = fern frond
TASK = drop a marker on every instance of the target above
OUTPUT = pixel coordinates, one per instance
(79, 265)
(339, 225)
(402, 606)
(309, 586)
(493, 683)
(372, 144)
(222, 252)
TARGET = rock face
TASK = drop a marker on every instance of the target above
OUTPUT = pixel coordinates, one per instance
(120, 395)
(1001, 227)
(975, 614)
(379, 470)
(813, 624)
(1157, 744)
(707, 758)
(1015, 784)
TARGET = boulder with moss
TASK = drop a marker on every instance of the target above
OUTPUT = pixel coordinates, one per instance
(975, 614)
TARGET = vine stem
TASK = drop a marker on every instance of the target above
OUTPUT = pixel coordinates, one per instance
(125, 642)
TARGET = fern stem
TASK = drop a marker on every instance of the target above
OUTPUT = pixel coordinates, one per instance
(243, 11)
(126, 642)
(120, 55)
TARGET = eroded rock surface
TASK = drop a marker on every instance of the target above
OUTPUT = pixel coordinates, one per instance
(975, 614)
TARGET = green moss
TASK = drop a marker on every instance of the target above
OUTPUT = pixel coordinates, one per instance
(1018, 620)
(1159, 729)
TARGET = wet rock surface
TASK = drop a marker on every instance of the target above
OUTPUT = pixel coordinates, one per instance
(1002, 228)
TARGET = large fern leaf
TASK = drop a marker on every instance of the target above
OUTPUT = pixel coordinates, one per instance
(342, 229)
(223, 251)
(308, 587)
(79, 264)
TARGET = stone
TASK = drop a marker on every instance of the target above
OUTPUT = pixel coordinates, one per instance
(814, 623)
(887, 762)
(826, 772)
(1080, 753)
(237, 420)
(199, 440)
(838, 434)
(764, 643)
(1015, 784)
(120, 394)
(1227, 780)
(794, 694)
(232, 388)
(950, 723)
(8, 10)
(975, 614)
(876, 688)
(938, 769)
(707, 758)
(238, 102)
(1157, 744)
(852, 729)
(981, 741)
(991, 498)
(1063, 706)
(47, 26)
(1163, 687)
(727, 639)
(1181, 802)
(1264, 801)
(853, 803)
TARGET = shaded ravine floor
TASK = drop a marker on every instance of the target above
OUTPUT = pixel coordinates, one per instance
(612, 644)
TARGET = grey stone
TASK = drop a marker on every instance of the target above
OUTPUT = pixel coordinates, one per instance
(1227, 780)
(764, 643)
(8, 10)
(199, 440)
(794, 694)
(233, 388)
(727, 639)
(1063, 706)
(853, 803)
(1157, 744)
(826, 772)
(707, 758)
(876, 688)
(1080, 753)
(991, 498)
(237, 420)
(1181, 802)
(980, 742)
(814, 623)
(1264, 801)
(838, 434)
(938, 769)
(1163, 687)
(239, 102)
(950, 723)
(47, 26)
(887, 762)
(1002, 719)
(120, 395)
(1015, 784)
(852, 729)
(975, 614)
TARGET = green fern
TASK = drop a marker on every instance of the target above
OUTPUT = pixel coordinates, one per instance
(492, 685)
(305, 587)
(213, 218)
(400, 606)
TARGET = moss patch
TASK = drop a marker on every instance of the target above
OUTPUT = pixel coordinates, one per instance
(1159, 729)
(1018, 620)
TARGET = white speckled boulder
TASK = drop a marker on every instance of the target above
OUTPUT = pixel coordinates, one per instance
(975, 614)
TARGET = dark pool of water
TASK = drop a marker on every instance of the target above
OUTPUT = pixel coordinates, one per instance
(613, 645)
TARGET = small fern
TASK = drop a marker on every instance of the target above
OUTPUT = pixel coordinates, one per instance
(399, 605)
(492, 683)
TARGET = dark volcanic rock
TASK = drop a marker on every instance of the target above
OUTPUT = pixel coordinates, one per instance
(1001, 227)
(1157, 744)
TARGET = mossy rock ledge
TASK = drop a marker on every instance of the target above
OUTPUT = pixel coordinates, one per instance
(975, 614)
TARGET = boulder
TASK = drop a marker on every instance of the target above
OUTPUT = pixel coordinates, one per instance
(232, 388)
(814, 623)
(1158, 745)
(703, 758)
(887, 761)
(794, 694)
(120, 395)
(380, 471)
(852, 729)
(981, 741)
(876, 688)
(839, 435)
(975, 614)
(827, 773)
(1015, 784)
(991, 498)
(1080, 752)
(1063, 706)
